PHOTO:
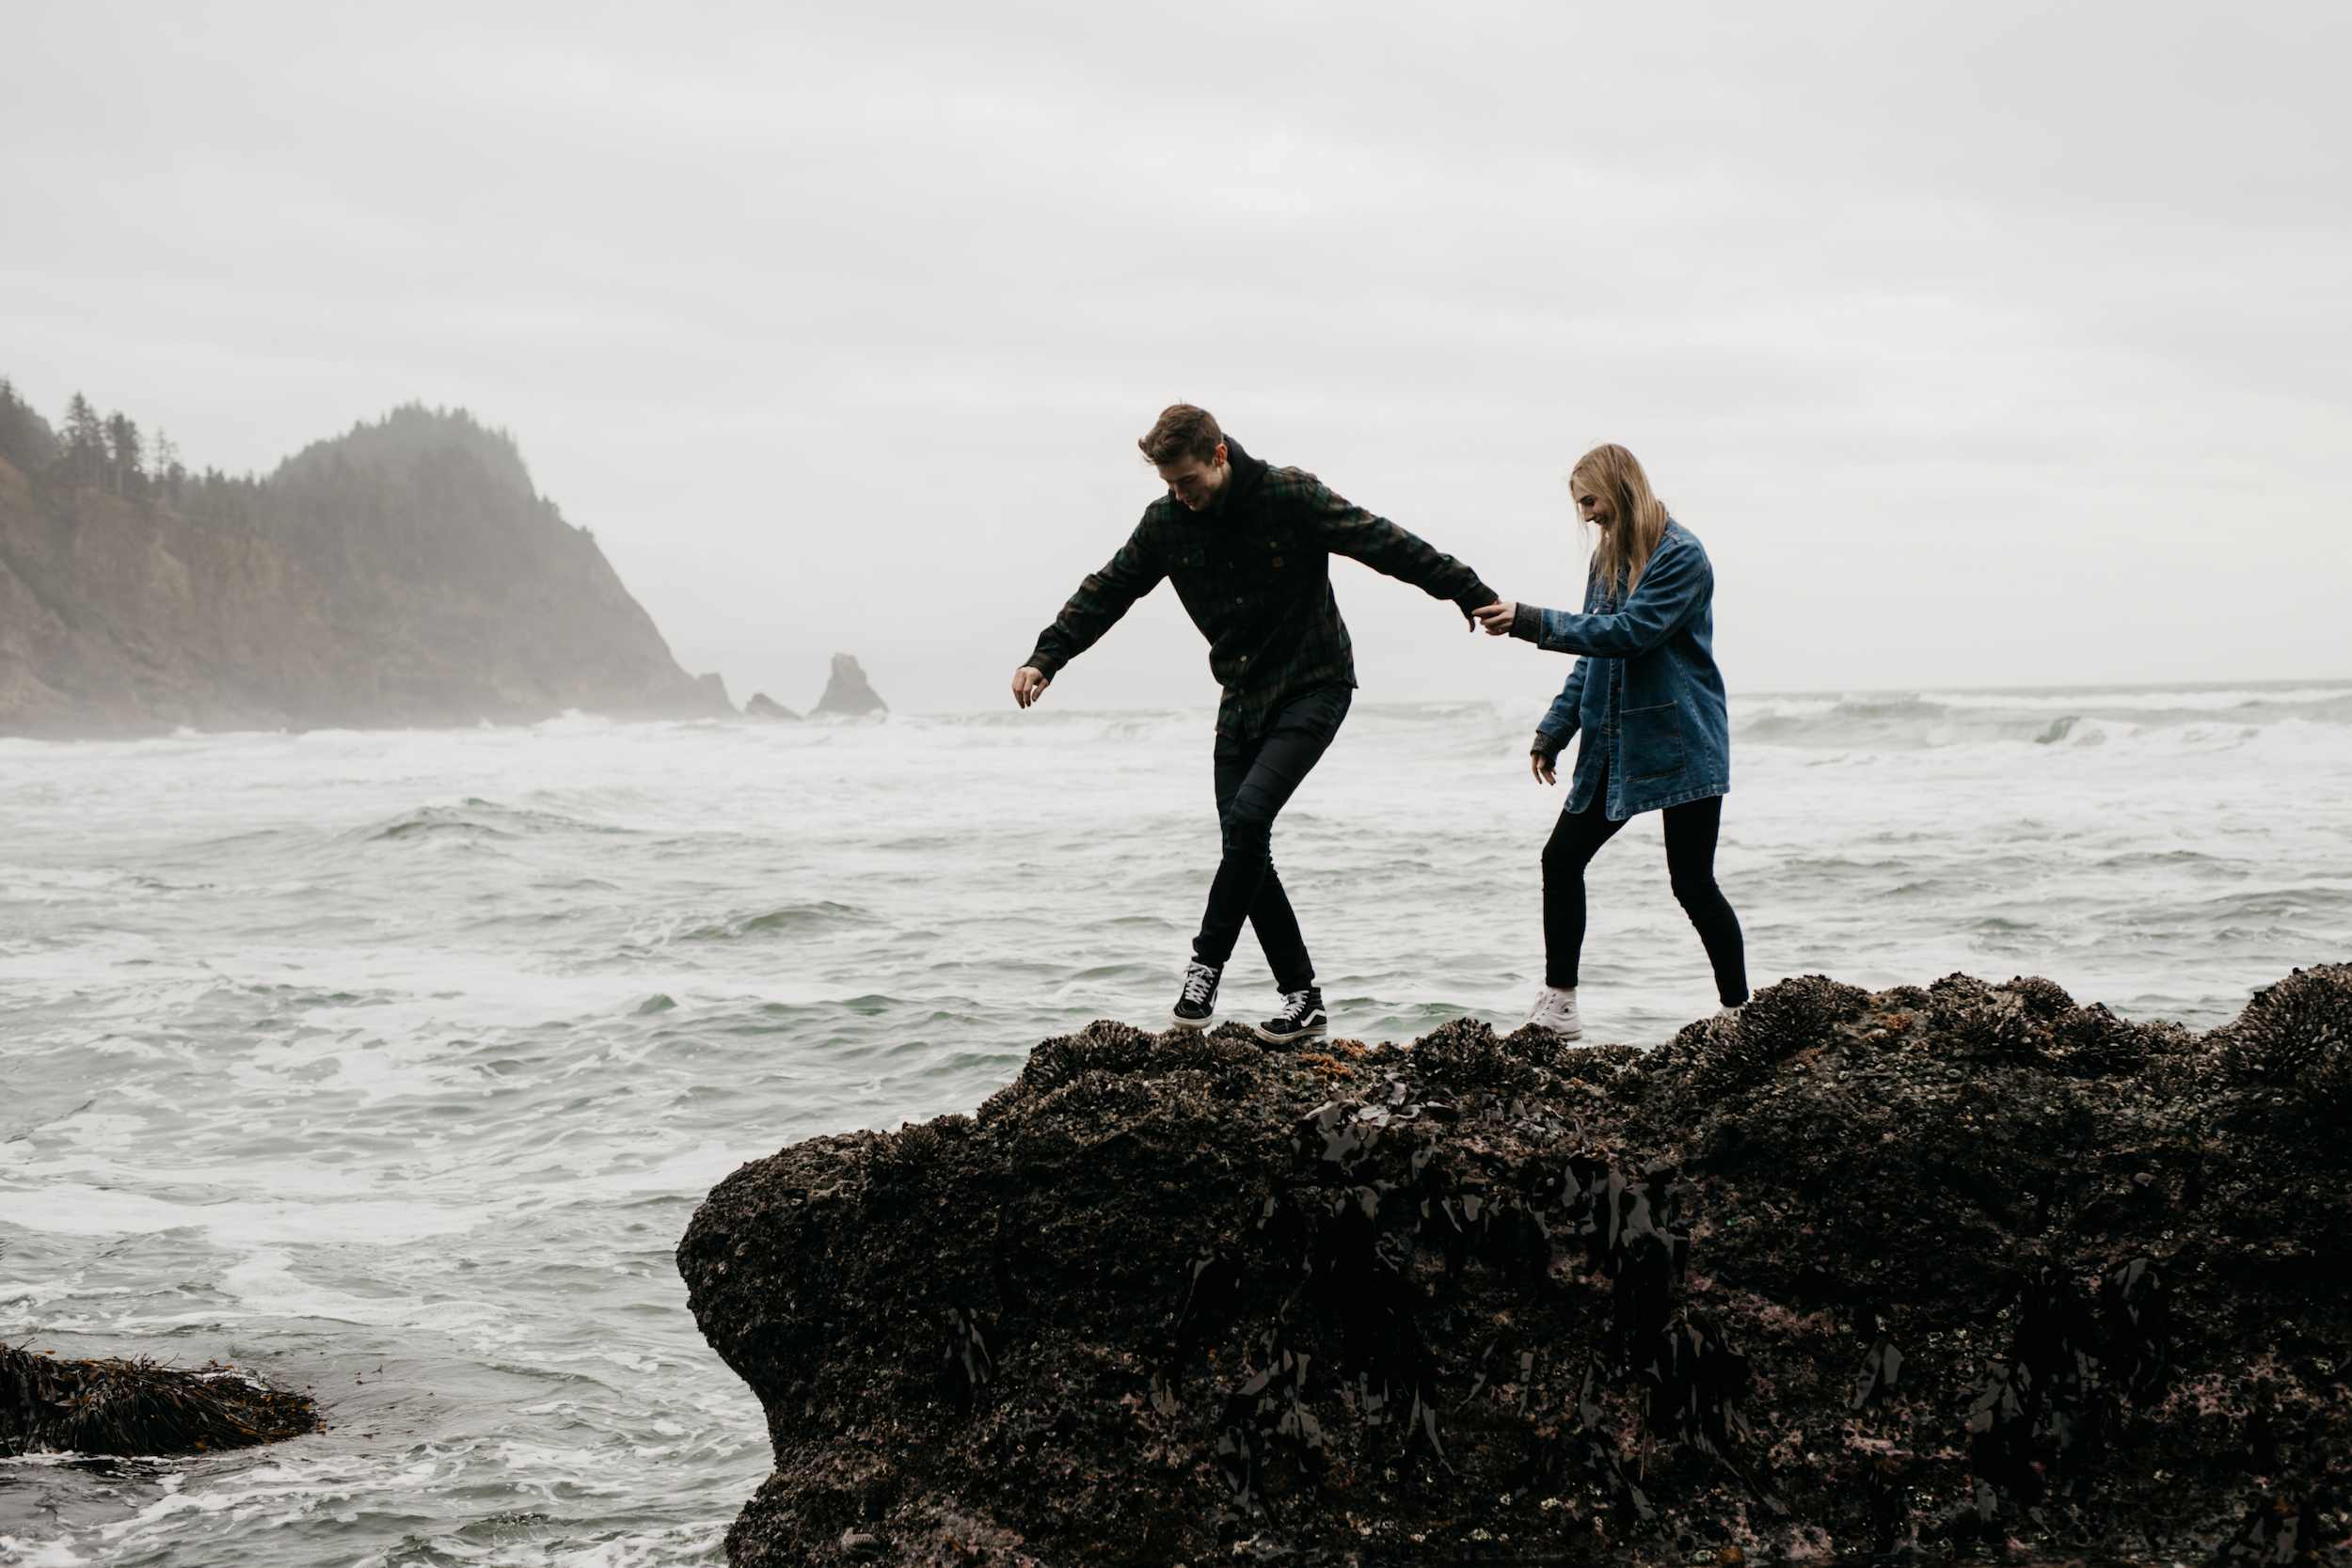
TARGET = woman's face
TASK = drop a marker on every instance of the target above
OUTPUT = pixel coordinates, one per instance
(1596, 508)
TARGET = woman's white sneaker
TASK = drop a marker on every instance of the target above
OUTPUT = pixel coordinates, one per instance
(1555, 1011)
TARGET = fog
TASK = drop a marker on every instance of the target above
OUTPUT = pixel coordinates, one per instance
(1985, 344)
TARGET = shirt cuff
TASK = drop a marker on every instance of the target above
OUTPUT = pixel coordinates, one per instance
(1527, 625)
(1547, 747)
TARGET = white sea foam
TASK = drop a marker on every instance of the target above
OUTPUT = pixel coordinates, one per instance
(394, 1062)
(75, 1209)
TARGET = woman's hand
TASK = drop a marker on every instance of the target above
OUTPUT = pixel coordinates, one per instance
(1496, 617)
(1540, 766)
(1029, 684)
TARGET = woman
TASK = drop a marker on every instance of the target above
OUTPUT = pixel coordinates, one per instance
(1657, 738)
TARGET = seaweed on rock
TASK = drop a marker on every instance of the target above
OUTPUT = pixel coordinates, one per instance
(130, 1408)
(1859, 1272)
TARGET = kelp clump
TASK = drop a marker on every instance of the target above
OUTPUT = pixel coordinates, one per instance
(129, 1408)
(1937, 1272)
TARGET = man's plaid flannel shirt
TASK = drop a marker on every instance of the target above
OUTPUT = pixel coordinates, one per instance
(1255, 574)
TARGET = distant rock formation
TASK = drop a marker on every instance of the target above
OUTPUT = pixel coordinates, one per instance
(403, 574)
(764, 707)
(847, 693)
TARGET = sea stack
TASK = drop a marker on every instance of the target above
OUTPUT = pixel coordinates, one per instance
(1930, 1269)
(764, 707)
(846, 691)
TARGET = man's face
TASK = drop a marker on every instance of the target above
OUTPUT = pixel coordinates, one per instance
(1195, 482)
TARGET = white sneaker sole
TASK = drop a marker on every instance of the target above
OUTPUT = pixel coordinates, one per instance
(1313, 1031)
(1174, 1022)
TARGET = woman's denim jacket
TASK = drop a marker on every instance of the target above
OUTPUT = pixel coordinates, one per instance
(1647, 692)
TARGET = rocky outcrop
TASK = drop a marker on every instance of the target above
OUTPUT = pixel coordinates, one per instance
(137, 1407)
(405, 574)
(1955, 1268)
(764, 707)
(847, 690)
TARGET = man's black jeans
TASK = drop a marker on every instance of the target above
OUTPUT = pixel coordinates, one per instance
(1254, 782)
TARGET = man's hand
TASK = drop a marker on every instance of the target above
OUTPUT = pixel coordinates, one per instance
(1029, 684)
(1496, 617)
(1540, 766)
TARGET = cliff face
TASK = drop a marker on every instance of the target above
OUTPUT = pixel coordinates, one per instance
(406, 574)
(1959, 1270)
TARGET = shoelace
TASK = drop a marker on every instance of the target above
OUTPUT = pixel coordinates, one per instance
(1297, 1004)
(1200, 979)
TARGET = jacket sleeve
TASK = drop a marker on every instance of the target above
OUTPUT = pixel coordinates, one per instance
(1559, 725)
(1345, 529)
(1676, 584)
(1100, 601)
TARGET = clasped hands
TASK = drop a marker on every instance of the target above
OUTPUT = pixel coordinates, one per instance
(1029, 682)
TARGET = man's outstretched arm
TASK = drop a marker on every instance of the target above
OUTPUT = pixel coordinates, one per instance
(1093, 610)
(1346, 528)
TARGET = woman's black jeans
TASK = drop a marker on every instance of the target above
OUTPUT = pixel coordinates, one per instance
(1690, 832)
(1254, 782)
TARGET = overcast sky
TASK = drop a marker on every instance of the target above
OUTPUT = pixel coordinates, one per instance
(1980, 343)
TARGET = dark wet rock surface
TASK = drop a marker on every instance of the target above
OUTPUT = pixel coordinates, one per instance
(1963, 1271)
(138, 1408)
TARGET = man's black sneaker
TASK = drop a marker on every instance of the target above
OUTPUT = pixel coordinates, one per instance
(1197, 1004)
(1301, 1019)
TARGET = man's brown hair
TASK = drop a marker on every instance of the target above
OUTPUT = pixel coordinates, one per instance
(1182, 431)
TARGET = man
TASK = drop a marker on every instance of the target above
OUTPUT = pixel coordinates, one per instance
(1248, 547)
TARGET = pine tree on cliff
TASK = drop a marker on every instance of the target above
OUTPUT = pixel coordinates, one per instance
(170, 471)
(124, 452)
(85, 442)
(26, 439)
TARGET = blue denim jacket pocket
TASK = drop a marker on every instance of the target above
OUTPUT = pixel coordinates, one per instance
(1653, 741)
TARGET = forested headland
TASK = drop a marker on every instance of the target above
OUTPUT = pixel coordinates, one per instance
(405, 573)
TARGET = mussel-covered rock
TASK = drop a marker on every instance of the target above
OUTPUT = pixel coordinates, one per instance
(1949, 1269)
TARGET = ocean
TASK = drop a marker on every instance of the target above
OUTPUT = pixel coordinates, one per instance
(392, 1065)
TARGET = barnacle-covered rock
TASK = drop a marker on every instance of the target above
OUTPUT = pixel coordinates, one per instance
(2042, 1000)
(1978, 1021)
(1466, 1054)
(2299, 1033)
(1951, 1267)
(1777, 1022)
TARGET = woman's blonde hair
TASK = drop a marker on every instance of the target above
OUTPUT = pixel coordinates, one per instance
(1615, 474)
